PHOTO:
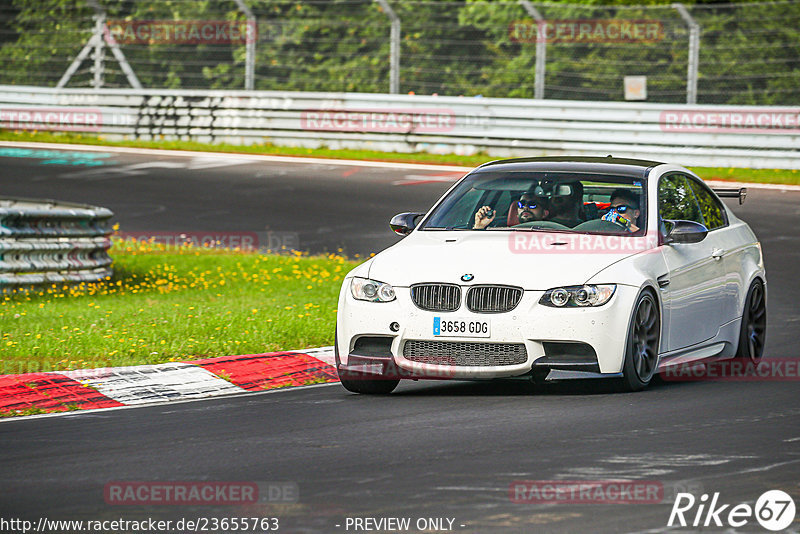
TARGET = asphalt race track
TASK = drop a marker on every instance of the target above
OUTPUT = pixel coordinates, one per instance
(325, 207)
(430, 450)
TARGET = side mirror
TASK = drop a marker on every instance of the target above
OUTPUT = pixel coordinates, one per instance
(678, 231)
(404, 223)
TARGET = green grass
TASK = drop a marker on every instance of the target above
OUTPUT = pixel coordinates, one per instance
(760, 176)
(772, 176)
(169, 305)
(267, 149)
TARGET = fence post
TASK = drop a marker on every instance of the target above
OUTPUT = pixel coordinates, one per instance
(96, 41)
(250, 46)
(394, 50)
(541, 49)
(98, 69)
(76, 63)
(694, 53)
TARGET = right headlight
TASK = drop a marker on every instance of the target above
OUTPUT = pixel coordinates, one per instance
(578, 296)
(371, 290)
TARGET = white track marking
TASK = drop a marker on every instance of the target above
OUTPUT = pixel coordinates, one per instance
(137, 169)
(413, 179)
(134, 169)
(774, 187)
(325, 354)
(144, 384)
(315, 161)
(166, 383)
(247, 157)
(100, 411)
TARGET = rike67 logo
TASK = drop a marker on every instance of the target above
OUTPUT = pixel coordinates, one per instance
(774, 510)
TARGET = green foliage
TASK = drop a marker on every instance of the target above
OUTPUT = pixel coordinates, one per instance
(749, 53)
(755, 63)
(48, 32)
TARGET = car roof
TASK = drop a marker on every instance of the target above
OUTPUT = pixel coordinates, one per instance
(608, 165)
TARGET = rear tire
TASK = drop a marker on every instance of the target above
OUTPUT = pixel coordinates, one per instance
(753, 333)
(369, 387)
(641, 349)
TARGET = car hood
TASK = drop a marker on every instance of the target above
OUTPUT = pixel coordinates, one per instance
(530, 260)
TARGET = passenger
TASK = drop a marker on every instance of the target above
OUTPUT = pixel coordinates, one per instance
(567, 209)
(529, 208)
(624, 209)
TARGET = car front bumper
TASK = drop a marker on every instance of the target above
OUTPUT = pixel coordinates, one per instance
(591, 339)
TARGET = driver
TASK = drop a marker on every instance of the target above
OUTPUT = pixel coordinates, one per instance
(624, 209)
(530, 207)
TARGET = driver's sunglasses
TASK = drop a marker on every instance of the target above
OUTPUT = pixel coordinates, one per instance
(527, 204)
(622, 208)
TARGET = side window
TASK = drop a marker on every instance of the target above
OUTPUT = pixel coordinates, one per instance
(676, 200)
(712, 210)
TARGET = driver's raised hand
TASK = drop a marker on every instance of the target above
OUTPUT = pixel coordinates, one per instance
(482, 219)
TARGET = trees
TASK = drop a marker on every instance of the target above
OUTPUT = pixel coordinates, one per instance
(749, 53)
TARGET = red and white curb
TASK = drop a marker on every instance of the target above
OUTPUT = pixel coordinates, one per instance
(110, 387)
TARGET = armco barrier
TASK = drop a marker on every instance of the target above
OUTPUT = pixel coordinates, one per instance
(726, 136)
(45, 241)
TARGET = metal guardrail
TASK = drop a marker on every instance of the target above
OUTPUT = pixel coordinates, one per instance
(724, 136)
(46, 241)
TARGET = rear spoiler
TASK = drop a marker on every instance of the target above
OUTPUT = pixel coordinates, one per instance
(731, 192)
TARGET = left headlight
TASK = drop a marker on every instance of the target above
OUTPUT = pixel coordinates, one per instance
(578, 296)
(371, 290)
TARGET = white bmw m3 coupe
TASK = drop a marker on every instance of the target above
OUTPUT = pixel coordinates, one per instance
(555, 268)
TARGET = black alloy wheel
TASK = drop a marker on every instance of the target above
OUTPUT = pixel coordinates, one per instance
(641, 355)
(753, 334)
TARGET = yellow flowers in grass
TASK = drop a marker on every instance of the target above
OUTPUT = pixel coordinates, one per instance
(175, 304)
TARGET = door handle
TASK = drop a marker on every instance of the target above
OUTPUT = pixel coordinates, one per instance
(717, 253)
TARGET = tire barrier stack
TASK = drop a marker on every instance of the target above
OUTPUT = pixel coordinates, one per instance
(46, 241)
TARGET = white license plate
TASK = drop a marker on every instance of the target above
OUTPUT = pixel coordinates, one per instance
(460, 327)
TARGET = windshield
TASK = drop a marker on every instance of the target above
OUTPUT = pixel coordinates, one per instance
(546, 201)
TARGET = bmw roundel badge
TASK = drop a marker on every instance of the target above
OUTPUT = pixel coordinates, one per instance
(468, 277)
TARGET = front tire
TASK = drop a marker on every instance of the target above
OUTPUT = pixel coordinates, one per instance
(358, 385)
(369, 387)
(641, 349)
(753, 333)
